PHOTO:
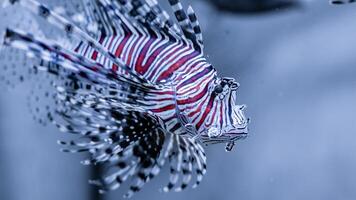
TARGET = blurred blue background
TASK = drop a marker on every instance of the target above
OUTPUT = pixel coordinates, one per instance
(296, 67)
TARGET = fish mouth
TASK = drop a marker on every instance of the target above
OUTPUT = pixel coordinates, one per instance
(229, 140)
(226, 137)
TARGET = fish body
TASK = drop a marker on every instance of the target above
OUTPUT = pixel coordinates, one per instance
(137, 90)
(159, 60)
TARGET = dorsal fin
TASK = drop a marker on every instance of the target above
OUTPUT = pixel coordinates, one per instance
(117, 14)
(163, 15)
(144, 15)
(73, 31)
(98, 18)
(52, 52)
(196, 25)
(150, 15)
(185, 23)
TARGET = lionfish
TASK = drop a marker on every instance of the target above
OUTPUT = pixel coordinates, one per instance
(136, 89)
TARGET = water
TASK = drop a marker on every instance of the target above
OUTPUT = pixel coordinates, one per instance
(296, 68)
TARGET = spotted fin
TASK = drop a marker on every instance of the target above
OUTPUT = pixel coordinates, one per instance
(73, 30)
(15, 66)
(149, 15)
(188, 25)
(127, 143)
(73, 77)
(185, 155)
(131, 144)
(195, 25)
(98, 19)
(141, 17)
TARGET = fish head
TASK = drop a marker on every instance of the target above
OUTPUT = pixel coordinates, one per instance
(225, 121)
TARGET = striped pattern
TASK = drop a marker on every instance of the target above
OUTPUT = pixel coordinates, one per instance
(139, 91)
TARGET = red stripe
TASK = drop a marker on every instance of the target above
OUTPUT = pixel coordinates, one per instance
(122, 45)
(142, 54)
(114, 67)
(191, 66)
(111, 41)
(190, 82)
(151, 59)
(221, 111)
(212, 117)
(166, 57)
(78, 47)
(94, 56)
(176, 65)
(131, 52)
(163, 92)
(206, 111)
(195, 98)
(196, 110)
(163, 109)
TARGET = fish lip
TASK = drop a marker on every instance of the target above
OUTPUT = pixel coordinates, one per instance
(226, 137)
(240, 136)
(235, 134)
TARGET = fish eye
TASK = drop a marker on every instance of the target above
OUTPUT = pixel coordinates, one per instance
(231, 82)
(234, 86)
(218, 89)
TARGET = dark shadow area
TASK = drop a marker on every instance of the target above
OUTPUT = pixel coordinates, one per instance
(255, 6)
